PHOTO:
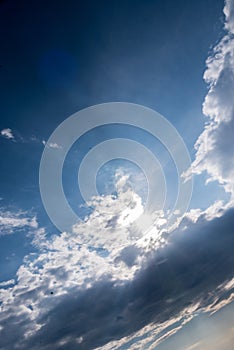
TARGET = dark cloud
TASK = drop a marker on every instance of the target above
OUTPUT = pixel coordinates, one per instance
(189, 270)
(129, 255)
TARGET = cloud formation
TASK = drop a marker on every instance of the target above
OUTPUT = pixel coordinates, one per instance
(83, 296)
(8, 134)
(215, 147)
(71, 295)
(11, 221)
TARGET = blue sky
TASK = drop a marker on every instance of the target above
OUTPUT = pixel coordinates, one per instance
(58, 58)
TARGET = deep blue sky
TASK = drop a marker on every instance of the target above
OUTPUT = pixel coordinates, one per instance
(60, 57)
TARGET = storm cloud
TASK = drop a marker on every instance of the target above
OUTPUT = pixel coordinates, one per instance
(188, 271)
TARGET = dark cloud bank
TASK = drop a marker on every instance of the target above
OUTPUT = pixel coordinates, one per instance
(189, 270)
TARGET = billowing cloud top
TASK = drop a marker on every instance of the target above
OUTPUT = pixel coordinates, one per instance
(215, 147)
(70, 295)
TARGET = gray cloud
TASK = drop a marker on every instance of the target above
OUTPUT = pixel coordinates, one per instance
(189, 270)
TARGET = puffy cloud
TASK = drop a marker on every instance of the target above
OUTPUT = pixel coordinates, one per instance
(71, 295)
(7, 133)
(215, 147)
(112, 222)
(229, 13)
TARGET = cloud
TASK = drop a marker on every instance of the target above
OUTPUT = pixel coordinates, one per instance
(8, 134)
(51, 144)
(11, 221)
(215, 147)
(229, 13)
(205, 332)
(111, 224)
(70, 295)
(95, 288)
(7, 283)
(194, 346)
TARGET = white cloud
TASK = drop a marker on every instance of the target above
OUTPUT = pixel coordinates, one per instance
(7, 283)
(99, 261)
(51, 145)
(7, 133)
(94, 280)
(68, 278)
(111, 224)
(215, 146)
(229, 13)
(11, 221)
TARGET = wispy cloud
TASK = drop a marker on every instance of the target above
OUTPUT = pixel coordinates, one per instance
(194, 346)
(51, 145)
(11, 221)
(8, 134)
(7, 283)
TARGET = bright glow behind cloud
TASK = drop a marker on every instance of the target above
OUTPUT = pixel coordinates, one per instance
(77, 292)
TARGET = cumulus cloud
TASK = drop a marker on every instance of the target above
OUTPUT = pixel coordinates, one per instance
(215, 147)
(111, 224)
(71, 294)
(94, 287)
(7, 133)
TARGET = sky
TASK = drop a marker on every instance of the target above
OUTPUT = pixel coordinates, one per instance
(117, 193)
